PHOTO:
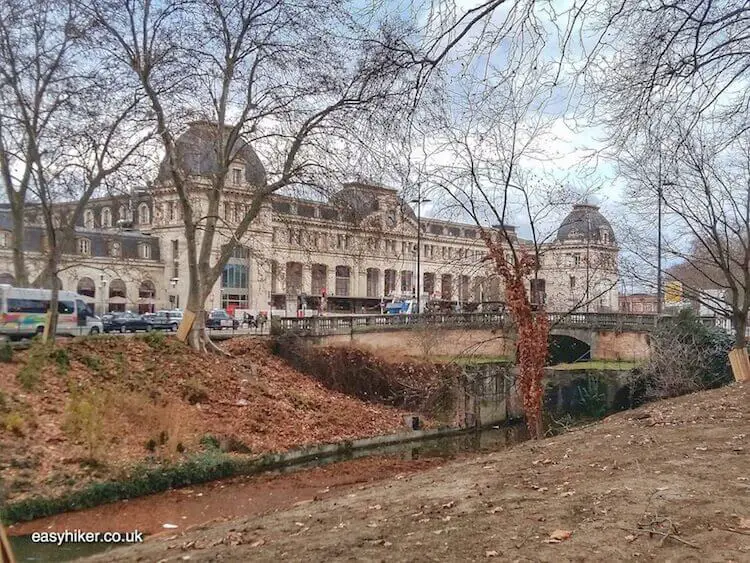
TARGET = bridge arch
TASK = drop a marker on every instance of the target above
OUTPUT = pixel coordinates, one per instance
(565, 347)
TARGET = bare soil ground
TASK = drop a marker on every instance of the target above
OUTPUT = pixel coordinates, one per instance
(160, 392)
(667, 482)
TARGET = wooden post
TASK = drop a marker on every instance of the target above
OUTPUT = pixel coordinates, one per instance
(188, 318)
(740, 364)
(6, 554)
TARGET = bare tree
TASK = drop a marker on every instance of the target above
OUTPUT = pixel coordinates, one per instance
(37, 76)
(484, 143)
(68, 128)
(657, 63)
(705, 193)
(287, 78)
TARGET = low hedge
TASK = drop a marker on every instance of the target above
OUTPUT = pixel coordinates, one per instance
(142, 480)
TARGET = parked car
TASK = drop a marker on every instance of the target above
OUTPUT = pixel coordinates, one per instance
(173, 314)
(125, 322)
(162, 321)
(220, 319)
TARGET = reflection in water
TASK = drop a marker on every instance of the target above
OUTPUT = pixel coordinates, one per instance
(488, 439)
(26, 550)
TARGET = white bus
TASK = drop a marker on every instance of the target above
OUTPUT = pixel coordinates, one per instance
(23, 313)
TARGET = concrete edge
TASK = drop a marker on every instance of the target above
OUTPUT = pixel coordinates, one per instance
(307, 453)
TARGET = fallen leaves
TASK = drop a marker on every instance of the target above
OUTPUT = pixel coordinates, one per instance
(558, 536)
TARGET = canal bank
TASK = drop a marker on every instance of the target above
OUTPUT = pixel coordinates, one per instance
(665, 482)
(282, 488)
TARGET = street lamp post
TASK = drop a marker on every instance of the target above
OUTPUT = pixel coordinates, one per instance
(659, 281)
(102, 288)
(658, 249)
(419, 201)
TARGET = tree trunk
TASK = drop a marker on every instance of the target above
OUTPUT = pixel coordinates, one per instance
(740, 325)
(19, 260)
(50, 329)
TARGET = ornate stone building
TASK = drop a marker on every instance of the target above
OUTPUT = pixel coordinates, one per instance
(357, 249)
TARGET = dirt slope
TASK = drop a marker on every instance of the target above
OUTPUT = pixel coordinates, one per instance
(137, 398)
(669, 481)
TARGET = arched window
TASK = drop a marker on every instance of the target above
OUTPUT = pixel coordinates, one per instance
(106, 217)
(86, 287)
(117, 295)
(146, 290)
(144, 215)
(7, 278)
(88, 219)
(122, 213)
(117, 289)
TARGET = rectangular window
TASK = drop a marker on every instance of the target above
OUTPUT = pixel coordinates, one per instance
(66, 307)
(576, 259)
(27, 306)
(4, 239)
(407, 285)
(236, 176)
(144, 251)
(572, 282)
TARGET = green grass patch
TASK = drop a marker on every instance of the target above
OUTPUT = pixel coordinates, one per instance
(471, 360)
(597, 365)
(6, 352)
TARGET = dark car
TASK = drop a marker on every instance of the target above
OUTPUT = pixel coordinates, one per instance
(162, 321)
(125, 322)
(219, 319)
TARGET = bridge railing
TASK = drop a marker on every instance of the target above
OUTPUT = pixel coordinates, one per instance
(345, 324)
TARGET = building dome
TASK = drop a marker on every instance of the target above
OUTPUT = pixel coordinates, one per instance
(196, 150)
(586, 224)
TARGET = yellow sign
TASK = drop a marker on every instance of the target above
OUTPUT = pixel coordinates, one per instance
(673, 292)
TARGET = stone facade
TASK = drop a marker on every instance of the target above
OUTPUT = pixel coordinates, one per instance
(350, 253)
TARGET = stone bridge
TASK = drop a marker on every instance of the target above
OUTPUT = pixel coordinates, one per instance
(606, 336)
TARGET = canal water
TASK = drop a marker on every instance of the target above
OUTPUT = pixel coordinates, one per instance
(484, 440)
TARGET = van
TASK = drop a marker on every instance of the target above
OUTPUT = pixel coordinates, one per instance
(23, 313)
